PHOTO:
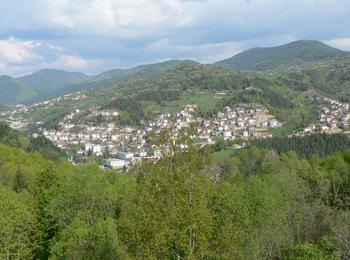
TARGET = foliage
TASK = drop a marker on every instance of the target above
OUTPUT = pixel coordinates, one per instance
(46, 147)
(260, 205)
(8, 136)
(133, 111)
(309, 146)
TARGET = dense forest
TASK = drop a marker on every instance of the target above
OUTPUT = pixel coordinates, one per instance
(262, 205)
(308, 146)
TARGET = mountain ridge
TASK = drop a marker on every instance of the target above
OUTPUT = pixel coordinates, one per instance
(293, 54)
(48, 83)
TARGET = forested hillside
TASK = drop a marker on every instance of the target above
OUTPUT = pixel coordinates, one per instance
(294, 54)
(264, 205)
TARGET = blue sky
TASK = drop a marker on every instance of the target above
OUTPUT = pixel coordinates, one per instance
(95, 35)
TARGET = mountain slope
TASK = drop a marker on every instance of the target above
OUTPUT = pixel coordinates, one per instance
(143, 70)
(112, 77)
(47, 80)
(298, 53)
(14, 91)
(19, 90)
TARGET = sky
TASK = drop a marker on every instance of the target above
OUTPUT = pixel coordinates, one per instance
(93, 36)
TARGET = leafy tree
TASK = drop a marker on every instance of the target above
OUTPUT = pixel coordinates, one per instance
(16, 227)
(82, 241)
(169, 215)
(20, 182)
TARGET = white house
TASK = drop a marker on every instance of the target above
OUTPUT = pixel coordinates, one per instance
(116, 163)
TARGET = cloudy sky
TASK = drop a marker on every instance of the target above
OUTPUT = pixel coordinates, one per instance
(95, 35)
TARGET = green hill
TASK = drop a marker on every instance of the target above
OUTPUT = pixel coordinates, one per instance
(143, 70)
(14, 91)
(19, 90)
(47, 80)
(111, 78)
(294, 54)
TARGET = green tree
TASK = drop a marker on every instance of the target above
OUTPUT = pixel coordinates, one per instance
(169, 215)
(16, 227)
(82, 241)
(20, 182)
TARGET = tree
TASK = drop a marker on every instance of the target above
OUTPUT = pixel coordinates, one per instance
(82, 241)
(20, 182)
(16, 227)
(169, 215)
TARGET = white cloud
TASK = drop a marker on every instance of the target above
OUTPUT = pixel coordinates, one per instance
(340, 43)
(55, 47)
(206, 53)
(138, 18)
(69, 62)
(117, 18)
(22, 57)
(13, 51)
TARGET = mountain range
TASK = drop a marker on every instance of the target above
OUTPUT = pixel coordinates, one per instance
(48, 83)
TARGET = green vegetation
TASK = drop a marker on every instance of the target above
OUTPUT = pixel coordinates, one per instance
(8, 136)
(40, 144)
(13, 91)
(263, 205)
(309, 146)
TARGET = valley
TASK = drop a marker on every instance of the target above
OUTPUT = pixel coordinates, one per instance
(175, 129)
(125, 111)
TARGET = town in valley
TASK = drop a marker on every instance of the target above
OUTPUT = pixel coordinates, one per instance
(121, 146)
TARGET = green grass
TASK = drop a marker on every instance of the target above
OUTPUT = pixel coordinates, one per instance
(219, 157)
(202, 100)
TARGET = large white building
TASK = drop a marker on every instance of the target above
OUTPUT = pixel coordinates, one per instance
(116, 163)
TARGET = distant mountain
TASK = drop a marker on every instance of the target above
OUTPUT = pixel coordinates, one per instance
(47, 80)
(14, 91)
(21, 89)
(111, 77)
(298, 53)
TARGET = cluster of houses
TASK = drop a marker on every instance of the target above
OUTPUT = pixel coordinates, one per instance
(17, 118)
(13, 119)
(243, 122)
(333, 117)
(124, 146)
(68, 97)
(334, 114)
